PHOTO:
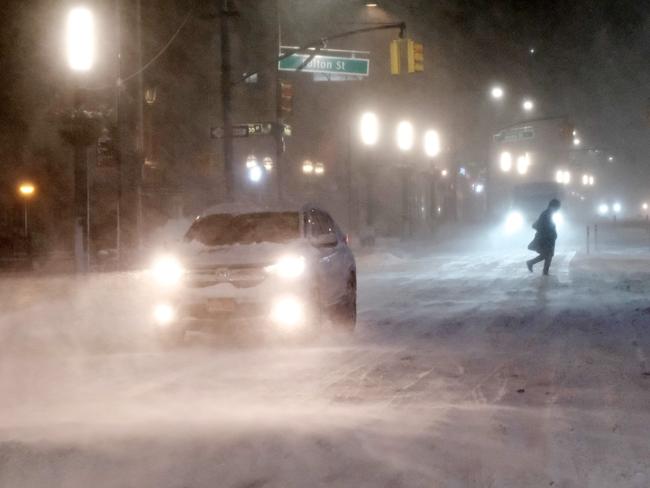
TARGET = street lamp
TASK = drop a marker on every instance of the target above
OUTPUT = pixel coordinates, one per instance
(405, 136)
(505, 161)
(80, 39)
(528, 105)
(26, 191)
(251, 161)
(369, 127)
(80, 50)
(307, 167)
(576, 141)
(497, 92)
(523, 162)
(255, 174)
(268, 163)
(431, 143)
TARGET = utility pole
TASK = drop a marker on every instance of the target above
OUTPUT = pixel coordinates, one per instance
(226, 100)
(139, 146)
(279, 139)
(80, 149)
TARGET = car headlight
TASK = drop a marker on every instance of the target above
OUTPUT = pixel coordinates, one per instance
(167, 270)
(288, 267)
(514, 222)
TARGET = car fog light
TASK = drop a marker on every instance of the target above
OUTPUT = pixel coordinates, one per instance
(288, 312)
(164, 314)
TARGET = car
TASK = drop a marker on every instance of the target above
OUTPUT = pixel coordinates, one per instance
(284, 271)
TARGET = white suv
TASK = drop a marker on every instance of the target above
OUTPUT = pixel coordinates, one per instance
(284, 271)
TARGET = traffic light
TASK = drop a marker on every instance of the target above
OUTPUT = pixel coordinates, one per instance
(286, 97)
(394, 56)
(415, 56)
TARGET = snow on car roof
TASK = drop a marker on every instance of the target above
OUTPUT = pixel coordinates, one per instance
(240, 208)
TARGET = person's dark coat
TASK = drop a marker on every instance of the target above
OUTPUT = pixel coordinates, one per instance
(546, 235)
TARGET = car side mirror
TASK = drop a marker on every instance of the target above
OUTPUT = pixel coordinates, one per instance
(325, 240)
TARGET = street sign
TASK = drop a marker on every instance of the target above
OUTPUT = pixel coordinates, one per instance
(247, 130)
(326, 64)
(515, 134)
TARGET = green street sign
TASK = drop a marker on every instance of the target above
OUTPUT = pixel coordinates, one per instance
(326, 64)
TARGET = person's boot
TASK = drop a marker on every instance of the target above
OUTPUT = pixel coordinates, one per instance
(529, 265)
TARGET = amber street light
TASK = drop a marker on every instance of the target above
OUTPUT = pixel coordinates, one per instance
(26, 191)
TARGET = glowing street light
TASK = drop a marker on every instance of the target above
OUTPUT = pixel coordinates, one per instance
(307, 167)
(528, 105)
(610, 158)
(523, 162)
(644, 206)
(369, 127)
(431, 143)
(80, 39)
(26, 190)
(444, 173)
(251, 161)
(255, 174)
(505, 161)
(497, 92)
(563, 177)
(405, 135)
(576, 141)
(603, 209)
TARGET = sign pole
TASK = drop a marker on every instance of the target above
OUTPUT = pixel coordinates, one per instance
(226, 102)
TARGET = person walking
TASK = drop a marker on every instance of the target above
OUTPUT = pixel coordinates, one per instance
(545, 237)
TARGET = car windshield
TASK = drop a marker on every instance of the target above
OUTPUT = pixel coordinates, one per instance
(226, 229)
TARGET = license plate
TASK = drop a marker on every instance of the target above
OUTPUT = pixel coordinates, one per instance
(221, 305)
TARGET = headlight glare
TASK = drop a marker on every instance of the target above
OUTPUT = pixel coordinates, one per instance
(288, 267)
(164, 314)
(514, 222)
(167, 270)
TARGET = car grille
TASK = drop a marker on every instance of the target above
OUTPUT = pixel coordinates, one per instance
(239, 310)
(239, 276)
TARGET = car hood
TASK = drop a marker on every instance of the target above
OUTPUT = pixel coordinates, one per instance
(195, 255)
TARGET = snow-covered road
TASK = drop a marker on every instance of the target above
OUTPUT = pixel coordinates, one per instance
(465, 371)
